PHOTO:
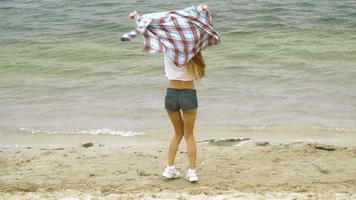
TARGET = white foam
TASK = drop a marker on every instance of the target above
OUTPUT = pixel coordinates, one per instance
(341, 129)
(100, 131)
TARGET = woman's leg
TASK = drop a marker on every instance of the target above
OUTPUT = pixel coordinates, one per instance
(177, 121)
(189, 121)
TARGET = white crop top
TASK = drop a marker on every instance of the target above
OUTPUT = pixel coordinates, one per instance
(175, 73)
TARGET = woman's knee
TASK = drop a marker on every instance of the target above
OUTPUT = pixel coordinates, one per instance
(188, 136)
(179, 134)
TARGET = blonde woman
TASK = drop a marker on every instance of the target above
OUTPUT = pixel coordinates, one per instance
(181, 105)
(180, 35)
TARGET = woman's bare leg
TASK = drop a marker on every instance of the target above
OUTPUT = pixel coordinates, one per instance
(177, 121)
(189, 121)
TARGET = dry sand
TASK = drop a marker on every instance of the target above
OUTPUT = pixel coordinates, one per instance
(250, 170)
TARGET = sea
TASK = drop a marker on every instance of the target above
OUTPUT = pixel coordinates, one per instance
(282, 66)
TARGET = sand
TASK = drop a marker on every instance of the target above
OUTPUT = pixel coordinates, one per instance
(247, 170)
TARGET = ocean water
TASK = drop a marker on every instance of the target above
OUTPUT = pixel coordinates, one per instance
(282, 66)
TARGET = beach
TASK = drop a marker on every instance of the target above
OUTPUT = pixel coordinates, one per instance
(247, 168)
(82, 114)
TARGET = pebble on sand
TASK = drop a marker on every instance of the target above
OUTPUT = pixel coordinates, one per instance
(325, 147)
(262, 143)
(88, 144)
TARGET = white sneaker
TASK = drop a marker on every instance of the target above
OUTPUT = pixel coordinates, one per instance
(191, 175)
(171, 172)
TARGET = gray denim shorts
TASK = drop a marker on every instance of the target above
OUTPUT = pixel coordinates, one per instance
(176, 99)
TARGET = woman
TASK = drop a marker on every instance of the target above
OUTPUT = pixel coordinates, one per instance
(181, 105)
(181, 35)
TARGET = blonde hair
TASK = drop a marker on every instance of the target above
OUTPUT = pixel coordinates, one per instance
(196, 66)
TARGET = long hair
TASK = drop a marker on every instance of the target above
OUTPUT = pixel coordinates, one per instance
(196, 66)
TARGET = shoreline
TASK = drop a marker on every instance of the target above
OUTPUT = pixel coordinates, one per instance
(150, 137)
(255, 169)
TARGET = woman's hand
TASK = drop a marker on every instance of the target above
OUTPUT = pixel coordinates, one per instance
(205, 6)
(133, 14)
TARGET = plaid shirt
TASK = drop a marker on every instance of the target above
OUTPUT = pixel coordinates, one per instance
(180, 34)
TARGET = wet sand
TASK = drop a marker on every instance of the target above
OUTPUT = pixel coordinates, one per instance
(246, 170)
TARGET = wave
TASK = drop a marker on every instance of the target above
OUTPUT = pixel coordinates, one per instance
(241, 32)
(340, 129)
(331, 20)
(100, 131)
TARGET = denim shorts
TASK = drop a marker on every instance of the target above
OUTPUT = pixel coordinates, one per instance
(176, 99)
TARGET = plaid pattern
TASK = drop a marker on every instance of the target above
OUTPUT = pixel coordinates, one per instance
(180, 34)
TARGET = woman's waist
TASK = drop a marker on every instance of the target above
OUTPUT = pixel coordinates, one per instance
(181, 84)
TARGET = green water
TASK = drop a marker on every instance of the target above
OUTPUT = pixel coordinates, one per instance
(282, 65)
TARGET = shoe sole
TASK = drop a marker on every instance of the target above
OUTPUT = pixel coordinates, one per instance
(192, 181)
(171, 177)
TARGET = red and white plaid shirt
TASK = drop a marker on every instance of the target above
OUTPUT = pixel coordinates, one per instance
(180, 33)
